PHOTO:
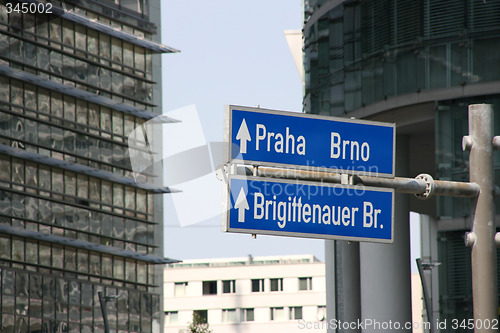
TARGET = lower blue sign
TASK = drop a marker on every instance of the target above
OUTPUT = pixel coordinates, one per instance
(307, 209)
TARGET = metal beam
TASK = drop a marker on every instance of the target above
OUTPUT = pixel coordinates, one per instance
(423, 185)
(84, 245)
(82, 169)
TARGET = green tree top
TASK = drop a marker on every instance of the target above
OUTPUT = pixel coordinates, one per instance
(198, 325)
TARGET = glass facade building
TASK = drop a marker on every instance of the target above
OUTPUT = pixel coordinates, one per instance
(74, 83)
(405, 61)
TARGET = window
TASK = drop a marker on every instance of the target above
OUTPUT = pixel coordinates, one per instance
(202, 315)
(295, 312)
(321, 314)
(305, 283)
(228, 287)
(277, 284)
(228, 315)
(247, 314)
(180, 288)
(257, 285)
(278, 313)
(209, 287)
(171, 317)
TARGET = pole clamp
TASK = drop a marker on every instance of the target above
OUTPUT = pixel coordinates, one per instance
(430, 186)
(470, 239)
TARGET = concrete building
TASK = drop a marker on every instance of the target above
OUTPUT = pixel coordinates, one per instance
(418, 64)
(76, 78)
(254, 294)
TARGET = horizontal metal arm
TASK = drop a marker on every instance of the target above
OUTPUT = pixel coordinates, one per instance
(423, 185)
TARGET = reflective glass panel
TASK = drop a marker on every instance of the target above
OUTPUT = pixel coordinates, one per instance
(56, 63)
(69, 108)
(68, 33)
(57, 181)
(94, 189)
(70, 259)
(87, 294)
(31, 252)
(104, 46)
(95, 264)
(30, 96)
(49, 310)
(74, 292)
(56, 102)
(22, 284)
(55, 30)
(83, 265)
(35, 286)
(116, 50)
(81, 113)
(107, 266)
(106, 119)
(57, 257)
(130, 270)
(106, 192)
(17, 171)
(35, 308)
(44, 254)
(118, 268)
(92, 37)
(82, 186)
(141, 273)
(49, 288)
(69, 183)
(118, 195)
(4, 247)
(8, 280)
(17, 250)
(80, 37)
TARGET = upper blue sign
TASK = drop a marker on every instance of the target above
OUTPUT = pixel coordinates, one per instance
(296, 140)
(306, 209)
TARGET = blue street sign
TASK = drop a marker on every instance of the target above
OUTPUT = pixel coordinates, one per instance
(295, 140)
(306, 209)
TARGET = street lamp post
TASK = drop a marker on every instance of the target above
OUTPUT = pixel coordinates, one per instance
(102, 301)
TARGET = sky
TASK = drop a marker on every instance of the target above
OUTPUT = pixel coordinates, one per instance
(232, 52)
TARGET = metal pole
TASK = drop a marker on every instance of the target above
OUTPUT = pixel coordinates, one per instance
(484, 266)
(331, 283)
(428, 304)
(385, 272)
(350, 297)
(102, 301)
(348, 278)
(399, 184)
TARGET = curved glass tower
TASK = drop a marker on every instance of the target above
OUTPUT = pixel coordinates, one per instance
(418, 64)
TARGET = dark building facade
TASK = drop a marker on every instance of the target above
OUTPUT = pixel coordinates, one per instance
(418, 64)
(74, 83)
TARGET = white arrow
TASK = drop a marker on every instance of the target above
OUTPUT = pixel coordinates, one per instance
(242, 205)
(243, 135)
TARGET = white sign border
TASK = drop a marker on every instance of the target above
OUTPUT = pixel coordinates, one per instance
(228, 115)
(227, 206)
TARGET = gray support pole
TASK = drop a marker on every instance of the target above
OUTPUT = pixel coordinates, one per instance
(429, 252)
(385, 268)
(350, 280)
(331, 299)
(484, 266)
(343, 299)
(343, 286)
(427, 297)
